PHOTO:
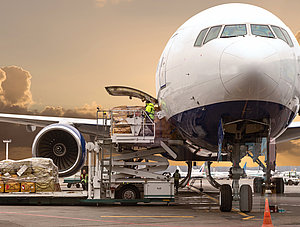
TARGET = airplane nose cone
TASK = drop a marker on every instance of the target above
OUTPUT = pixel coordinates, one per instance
(250, 69)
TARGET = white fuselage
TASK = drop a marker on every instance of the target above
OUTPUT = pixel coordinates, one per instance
(198, 84)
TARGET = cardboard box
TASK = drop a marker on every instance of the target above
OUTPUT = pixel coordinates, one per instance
(27, 187)
(12, 187)
(1, 186)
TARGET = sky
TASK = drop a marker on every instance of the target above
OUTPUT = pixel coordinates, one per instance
(56, 56)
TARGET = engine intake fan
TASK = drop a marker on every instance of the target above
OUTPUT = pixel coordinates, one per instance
(64, 145)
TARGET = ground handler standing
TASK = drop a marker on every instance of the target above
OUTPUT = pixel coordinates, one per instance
(84, 179)
(176, 176)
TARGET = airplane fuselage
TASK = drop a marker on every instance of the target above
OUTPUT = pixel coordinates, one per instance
(234, 61)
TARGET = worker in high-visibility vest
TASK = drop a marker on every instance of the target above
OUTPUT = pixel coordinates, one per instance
(150, 110)
(84, 179)
(150, 115)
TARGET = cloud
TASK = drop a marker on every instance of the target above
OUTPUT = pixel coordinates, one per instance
(291, 147)
(86, 111)
(16, 97)
(15, 86)
(2, 78)
(102, 3)
(52, 111)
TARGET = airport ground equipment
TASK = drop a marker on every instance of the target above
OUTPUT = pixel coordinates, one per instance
(72, 181)
(127, 160)
(291, 178)
(122, 166)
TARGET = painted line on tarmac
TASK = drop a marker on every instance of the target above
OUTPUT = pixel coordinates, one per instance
(147, 216)
(239, 212)
(86, 219)
(249, 217)
(246, 216)
(212, 198)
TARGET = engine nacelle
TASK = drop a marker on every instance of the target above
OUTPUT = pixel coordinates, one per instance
(64, 144)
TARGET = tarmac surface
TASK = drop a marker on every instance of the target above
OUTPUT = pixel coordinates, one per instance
(191, 208)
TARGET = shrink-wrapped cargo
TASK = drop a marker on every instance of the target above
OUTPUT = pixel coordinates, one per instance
(41, 174)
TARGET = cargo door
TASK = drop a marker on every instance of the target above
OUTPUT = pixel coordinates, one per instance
(130, 92)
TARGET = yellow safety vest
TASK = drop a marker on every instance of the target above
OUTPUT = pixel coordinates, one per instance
(150, 110)
(84, 178)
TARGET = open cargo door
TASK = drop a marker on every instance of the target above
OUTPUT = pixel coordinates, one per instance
(130, 92)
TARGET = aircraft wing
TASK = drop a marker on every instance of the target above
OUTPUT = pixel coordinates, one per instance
(83, 125)
(291, 133)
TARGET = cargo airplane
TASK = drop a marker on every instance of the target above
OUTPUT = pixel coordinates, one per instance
(229, 76)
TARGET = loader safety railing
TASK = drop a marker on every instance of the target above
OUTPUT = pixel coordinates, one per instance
(128, 125)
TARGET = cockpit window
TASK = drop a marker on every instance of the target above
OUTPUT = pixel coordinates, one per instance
(200, 37)
(234, 30)
(212, 34)
(288, 38)
(278, 33)
(261, 30)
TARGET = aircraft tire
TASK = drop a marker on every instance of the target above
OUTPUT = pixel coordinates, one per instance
(225, 198)
(279, 185)
(246, 199)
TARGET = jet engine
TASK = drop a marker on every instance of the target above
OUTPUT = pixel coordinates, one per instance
(64, 144)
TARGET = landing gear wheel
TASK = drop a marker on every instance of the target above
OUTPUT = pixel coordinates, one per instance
(245, 198)
(279, 185)
(225, 198)
(257, 184)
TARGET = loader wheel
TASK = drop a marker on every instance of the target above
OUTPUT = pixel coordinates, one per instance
(129, 192)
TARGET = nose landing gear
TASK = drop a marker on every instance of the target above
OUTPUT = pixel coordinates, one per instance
(228, 193)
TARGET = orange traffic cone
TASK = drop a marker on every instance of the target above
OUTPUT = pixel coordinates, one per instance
(267, 216)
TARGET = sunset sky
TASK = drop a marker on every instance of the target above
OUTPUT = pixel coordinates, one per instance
(56, 56)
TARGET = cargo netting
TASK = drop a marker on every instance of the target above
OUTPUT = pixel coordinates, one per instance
(32, 175)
